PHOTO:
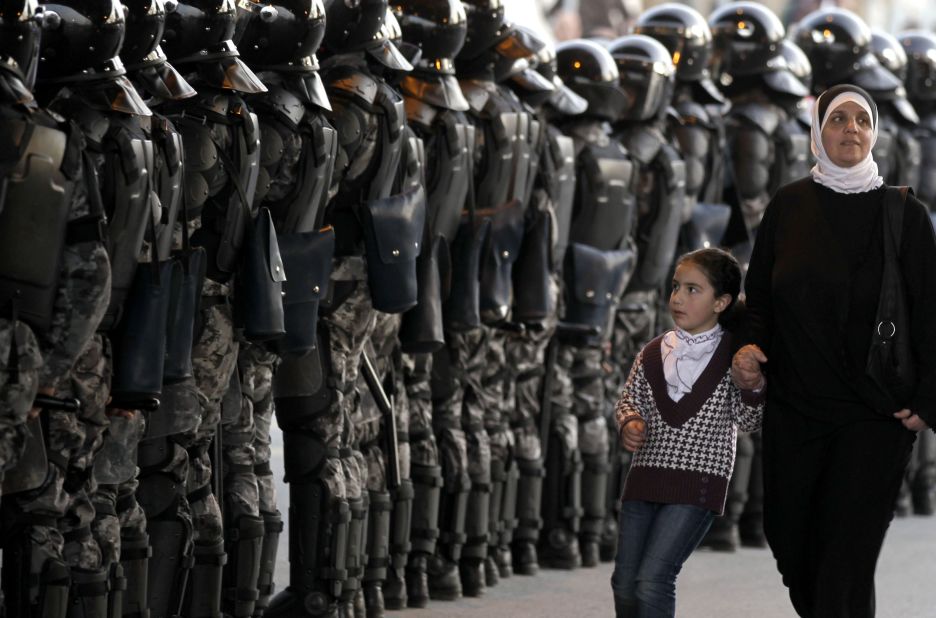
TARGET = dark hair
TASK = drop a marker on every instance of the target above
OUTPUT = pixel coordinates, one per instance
(826, 98)
(723, 273)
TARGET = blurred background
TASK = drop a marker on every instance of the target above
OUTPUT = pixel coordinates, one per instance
(569, 19)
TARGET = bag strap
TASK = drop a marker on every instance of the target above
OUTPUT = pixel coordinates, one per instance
(895, 200)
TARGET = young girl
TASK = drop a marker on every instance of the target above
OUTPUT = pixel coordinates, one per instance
(679, 414)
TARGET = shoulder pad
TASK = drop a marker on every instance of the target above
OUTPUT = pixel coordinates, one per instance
(215, 103)
(353, 82)
(420, 113)
(283, 103)
(476, 93)
(643, 143)
(692, 111)
(765, 117)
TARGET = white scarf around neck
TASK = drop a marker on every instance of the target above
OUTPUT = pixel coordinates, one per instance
(685, 357)
(858, 178)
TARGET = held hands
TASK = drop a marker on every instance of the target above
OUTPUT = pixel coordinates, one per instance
(911, 421)
(634, 434)
(746, 368)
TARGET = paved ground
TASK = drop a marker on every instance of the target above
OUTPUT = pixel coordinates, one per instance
(741, 585)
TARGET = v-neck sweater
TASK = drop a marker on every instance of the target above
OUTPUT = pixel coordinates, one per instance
(689, 453)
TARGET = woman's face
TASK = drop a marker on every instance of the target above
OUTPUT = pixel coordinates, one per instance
(847, 134)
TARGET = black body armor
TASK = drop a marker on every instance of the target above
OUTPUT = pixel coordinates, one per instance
(660, 200)
(897, 151)
(926, 136)
(558, 169)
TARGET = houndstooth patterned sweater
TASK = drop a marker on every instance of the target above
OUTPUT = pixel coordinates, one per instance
(690, 449)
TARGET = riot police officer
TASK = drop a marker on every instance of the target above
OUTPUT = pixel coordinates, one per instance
(280, 40)
(763, 154)
(648, 76)
(94, 93)
(42, 284)
(598, 266)
(536, 305)
(221, 143)
(435, 109)
(919, 79)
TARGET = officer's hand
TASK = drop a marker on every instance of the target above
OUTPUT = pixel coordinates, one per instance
(634, 434)
(49, 391)
(118, 412)
(911, 421)
(746, 368)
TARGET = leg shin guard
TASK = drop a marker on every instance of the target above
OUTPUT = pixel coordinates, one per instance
(135, 554)
(272, 529)
(203, 594)
(244, 545)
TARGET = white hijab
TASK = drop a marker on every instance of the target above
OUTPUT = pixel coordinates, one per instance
(858, 178)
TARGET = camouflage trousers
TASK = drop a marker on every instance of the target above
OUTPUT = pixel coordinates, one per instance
(18, 387)
(214, 358)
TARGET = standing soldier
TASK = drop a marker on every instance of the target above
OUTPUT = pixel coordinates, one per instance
(222, 151)
(501, 167)
(920, 48)
(536, 305)
(299, 146)
(92, 91)
(435, 110)
(48, 291)
(648, 77)
(599, 263)
(156, 584)
(766, 150)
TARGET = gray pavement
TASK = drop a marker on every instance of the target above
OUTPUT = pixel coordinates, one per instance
(740, 585)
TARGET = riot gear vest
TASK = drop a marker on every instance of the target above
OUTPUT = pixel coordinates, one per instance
(122, 158)
(700, 136)
(925, 134)
(167, 178)
(217, 126)
(297, 159)
(897, 152)
(38, 167)
(604, 206)
(448, 139)
(369, 117)
(557, 171)
(660, 199)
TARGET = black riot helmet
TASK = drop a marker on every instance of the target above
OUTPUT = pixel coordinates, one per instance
(563, 100)
(485, 27)
(81, 40)
(19, 39)
(684, 32)
(647, 75)
(353, 25)
(920, 47)
(200, 33)
(590, 71)
(385, 48)
(889, 52)
(283, 35)
(142, 55)
(798, 62)
(437, 27)
(838, 44)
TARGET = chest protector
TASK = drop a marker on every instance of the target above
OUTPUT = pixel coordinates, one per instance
(909, 158)
(167, 178)
(216, 126)
(297, 159)
(560, 183)
(604, 205)
(660, 199)
(701, 144)
(34, 213)
(885, 149)
(449, 140)
(925, 134)
(793, 143)
(123, 161)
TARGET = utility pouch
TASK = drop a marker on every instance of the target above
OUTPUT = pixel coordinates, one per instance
(532, 297)
(307, 257)
(259, 297)
(595, 281)
(421, 330)
(393, 232)
(504, 240)
(462, 309)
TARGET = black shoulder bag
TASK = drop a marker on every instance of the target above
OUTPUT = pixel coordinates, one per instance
(890, 358)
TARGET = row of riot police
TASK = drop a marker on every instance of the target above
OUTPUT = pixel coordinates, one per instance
(425, 242)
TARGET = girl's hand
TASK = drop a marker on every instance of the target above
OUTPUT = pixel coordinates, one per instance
(634, 434)
(911, 421)
(746, 368)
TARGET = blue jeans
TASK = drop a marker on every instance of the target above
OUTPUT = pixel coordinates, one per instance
(654, 540)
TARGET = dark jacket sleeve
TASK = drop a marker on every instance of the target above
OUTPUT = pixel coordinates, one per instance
(918, 262)
(758, 314)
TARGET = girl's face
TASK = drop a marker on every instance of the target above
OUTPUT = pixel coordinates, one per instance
(847, 134)
(692, 302)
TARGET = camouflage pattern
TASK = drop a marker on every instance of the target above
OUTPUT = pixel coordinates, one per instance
(422, 448)
(241, 496)
(16, 391)
(257, 387)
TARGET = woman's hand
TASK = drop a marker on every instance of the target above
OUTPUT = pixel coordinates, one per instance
(911, 421)
(746, 368)
(634, 434)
